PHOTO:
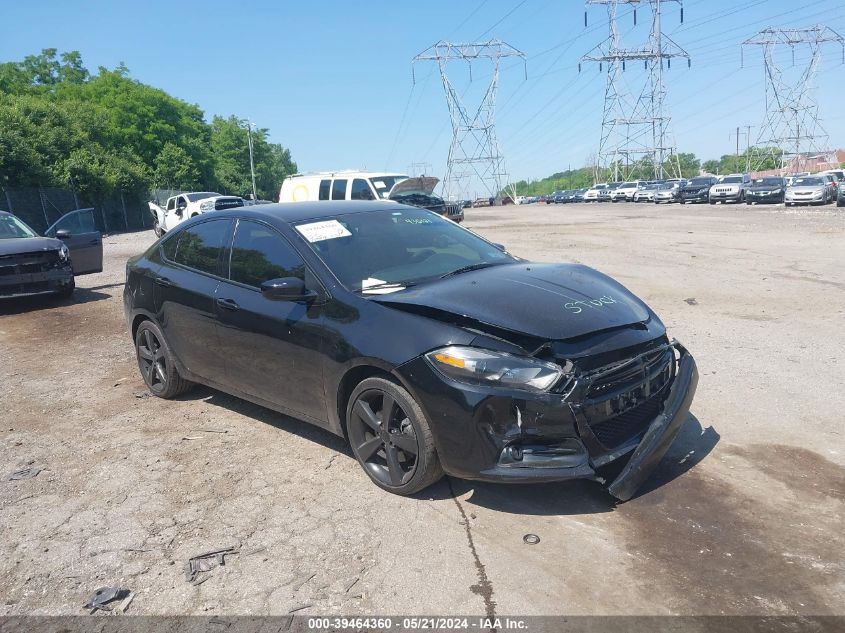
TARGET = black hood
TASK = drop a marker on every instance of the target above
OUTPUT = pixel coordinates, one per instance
(764, 187)
(18, 245)
(548, 301)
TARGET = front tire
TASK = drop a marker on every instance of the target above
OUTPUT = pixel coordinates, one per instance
(67, 291)
(391, 437)
(155, 360)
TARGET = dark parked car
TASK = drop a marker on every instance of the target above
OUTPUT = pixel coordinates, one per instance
(430, 349)
(418, 192)
(697, 189)
(33, 265)
(770, 189)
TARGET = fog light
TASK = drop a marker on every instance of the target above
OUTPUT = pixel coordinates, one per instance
(515, 453)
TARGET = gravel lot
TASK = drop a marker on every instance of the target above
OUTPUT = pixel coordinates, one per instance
(745, 515)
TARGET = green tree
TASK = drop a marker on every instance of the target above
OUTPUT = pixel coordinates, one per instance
(175, 169)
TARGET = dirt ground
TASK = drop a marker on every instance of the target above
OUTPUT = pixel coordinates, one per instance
(744, 516)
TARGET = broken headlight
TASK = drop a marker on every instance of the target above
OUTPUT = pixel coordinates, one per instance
(208, 205)
(64, 254)
(485, 367)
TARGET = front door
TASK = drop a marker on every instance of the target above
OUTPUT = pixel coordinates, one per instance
(272, 348)
(85, 243)
(186, 288)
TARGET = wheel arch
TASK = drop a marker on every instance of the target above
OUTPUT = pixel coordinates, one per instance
(352, 377)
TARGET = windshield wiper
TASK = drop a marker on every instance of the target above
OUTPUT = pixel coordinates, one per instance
(471, 267)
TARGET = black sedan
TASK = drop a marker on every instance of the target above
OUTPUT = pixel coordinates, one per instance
(34, 265)
(770, 189)
(427, 347)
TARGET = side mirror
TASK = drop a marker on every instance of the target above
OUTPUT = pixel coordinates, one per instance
(287, 289)
(62, 234)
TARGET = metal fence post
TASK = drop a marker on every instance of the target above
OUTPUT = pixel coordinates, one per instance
(75, 199)
(44, 208)
(123, 204)
(103, 213)
(9, 201)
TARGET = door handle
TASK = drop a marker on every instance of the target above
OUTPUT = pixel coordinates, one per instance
(164, 282)
(228, 304)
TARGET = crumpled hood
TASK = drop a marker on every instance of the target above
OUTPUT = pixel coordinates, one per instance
(15, 246)
(419, 184)
(548, 301)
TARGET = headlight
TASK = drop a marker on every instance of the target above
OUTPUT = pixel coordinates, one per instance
(64, 254)
(208, 205)
(485, 367)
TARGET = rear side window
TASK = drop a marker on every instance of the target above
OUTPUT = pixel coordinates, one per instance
(324, 189)
(200, 246)
(260, 254)
(339, 190)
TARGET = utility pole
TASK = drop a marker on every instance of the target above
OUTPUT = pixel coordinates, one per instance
(638, 127)
(792, 126)
(251, 163)
(474, 153)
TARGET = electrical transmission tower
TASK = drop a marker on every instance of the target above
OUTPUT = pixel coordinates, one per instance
(791, 132)
(474, 151)
(635, 137)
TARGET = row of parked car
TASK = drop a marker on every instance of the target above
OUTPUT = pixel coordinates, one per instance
(821, 188)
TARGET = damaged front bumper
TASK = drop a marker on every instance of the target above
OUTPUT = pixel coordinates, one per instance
(507, 436)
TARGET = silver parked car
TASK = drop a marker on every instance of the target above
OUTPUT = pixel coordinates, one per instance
(808, 190)
(730, 188)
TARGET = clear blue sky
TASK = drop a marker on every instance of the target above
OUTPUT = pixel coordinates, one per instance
(332, 80)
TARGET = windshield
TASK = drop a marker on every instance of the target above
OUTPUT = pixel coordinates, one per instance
(628, 185)
(769, 182)
(200, 195)
(730, 180)
(699, 182)
(807, 182)
(395, 246)
(11, 227)
(383, 184)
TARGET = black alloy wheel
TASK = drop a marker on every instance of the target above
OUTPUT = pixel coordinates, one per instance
(391, 438)
(156, 363)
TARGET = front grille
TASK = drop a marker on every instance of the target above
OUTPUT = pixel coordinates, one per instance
(621, 399)
(649, 371)
(454, 208)
(618, 430)
(222, 204)
(26, 263)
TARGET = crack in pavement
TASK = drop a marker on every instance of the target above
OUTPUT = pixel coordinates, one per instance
(484, 587)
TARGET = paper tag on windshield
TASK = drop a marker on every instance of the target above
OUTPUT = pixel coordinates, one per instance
(319, 231)
(368, 287)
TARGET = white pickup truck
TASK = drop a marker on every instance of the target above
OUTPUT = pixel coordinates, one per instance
(187, 205)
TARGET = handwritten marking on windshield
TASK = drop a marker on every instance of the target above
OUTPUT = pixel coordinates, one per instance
(600, 302)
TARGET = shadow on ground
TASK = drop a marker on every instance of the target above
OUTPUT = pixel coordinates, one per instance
(691, 446)
(19, 305)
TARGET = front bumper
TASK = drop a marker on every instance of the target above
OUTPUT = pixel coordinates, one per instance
(37, 283)
(497, 435)
(768, 198)
(687, 196)
(726, 197)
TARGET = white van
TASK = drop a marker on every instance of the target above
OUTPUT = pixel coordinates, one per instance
(339, 185)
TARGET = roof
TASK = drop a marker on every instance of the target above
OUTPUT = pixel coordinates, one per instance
(298, 211)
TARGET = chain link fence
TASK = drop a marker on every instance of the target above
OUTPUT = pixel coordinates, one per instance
(40, 207)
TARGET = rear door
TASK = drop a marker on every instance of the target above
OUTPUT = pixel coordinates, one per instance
(82, 239)
(186, 288)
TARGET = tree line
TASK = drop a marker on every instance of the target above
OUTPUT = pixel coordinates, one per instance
(96, 133)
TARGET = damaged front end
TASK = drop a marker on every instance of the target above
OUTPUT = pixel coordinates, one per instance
(620, 394)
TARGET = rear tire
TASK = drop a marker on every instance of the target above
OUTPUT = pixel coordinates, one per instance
(391, 437)
(156, 362)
